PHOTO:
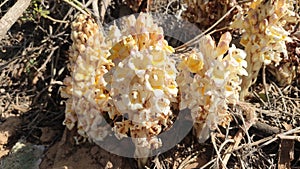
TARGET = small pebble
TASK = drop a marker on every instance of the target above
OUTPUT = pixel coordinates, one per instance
(94, 150)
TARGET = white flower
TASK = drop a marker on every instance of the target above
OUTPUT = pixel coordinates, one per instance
(85, 89)
(214, 84)
(264, 36)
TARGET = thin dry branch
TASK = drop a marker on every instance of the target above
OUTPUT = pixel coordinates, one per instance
(103, 8)
(77, 5)
(219, 158)
(265, 84)
(282, 98)
(209, 163)
(12, 16)
(293, 131)
(196, 39)
(247, 123)
(48, 59)
(4, 2)
(238, 137)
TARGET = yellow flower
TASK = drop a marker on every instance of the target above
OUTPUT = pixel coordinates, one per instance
(155, 78)
(194, 62)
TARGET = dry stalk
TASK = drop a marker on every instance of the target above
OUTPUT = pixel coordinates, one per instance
(158, 164)
(213, 140)
(256, 143)
(78, 6)
(54, 20)
(293, 131)
(190, 159)
(283, 137)
(104, 6)
(197, 38)
(250, 120)
(209, 163)
(48, 58)
(265, 84)
(238, 137)
(282, 98)
(12, 16)
(4, 2)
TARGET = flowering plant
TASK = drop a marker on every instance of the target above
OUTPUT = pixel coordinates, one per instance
(209, 80)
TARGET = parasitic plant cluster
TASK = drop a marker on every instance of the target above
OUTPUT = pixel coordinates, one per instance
(130, 78)
(85, 87)
(142, 84)
(127, 76)
(209, 81)
(264, 36)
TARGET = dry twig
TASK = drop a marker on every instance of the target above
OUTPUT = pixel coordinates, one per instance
(282, 98)
(265, 84)
(196, 39)
(223, 163)
(104, 6)
(78, 6)
(12, 16)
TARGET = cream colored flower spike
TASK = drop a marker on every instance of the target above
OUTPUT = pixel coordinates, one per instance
(139, 33)
(213, 84)
(143, 82)
(85, 88)
(128, 75)
(264, 37)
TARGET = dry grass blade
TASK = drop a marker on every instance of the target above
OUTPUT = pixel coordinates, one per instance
(248, 122)
(188, 161)
(196, 39)
(219, 158)
(103, 8)
(238, 137)
(3, 3)
(293, 131)
(12, 16)
(78, 6)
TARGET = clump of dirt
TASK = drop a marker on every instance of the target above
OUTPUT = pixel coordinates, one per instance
(8, 130)
(66, 154)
